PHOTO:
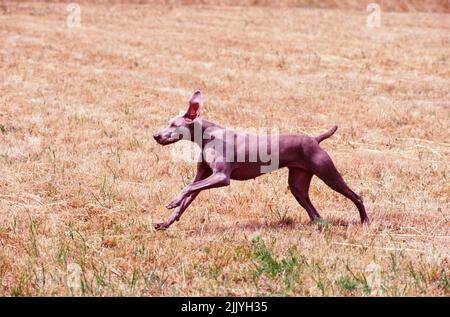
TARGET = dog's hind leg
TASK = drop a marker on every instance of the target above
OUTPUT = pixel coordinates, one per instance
(323, 167)
(299, 181)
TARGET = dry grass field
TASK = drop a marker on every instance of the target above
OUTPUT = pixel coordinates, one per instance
(82, 181)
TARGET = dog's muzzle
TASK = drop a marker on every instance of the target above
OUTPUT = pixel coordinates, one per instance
(157, 137)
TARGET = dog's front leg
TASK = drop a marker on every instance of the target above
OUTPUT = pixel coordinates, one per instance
(217, 179)
(177, 212)
(203, 171)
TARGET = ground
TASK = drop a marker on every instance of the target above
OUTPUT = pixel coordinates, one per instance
(83, 182)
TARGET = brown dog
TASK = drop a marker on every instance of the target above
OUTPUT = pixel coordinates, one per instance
(228, 154)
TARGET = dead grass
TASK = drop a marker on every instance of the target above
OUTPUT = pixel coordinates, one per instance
(83, 182)
(442, 6)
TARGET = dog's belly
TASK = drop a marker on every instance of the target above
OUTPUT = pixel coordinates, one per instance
(246, 171)
(253, 170)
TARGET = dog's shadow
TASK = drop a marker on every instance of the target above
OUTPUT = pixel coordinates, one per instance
(281, 225)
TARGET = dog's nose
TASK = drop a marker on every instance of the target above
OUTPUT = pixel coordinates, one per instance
(156, 136)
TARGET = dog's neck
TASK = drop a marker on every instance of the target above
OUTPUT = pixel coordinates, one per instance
(206, 127)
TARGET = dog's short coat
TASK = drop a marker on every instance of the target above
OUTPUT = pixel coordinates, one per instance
(301, 154)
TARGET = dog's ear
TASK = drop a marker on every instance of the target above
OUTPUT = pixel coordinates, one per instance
(195, 103)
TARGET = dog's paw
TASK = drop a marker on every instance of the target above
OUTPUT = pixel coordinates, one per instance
(365, 221)
(161, 226)
(174, 203)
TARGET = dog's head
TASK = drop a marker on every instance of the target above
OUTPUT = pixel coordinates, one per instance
(181, 127)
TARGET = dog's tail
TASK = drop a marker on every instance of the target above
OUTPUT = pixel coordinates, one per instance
(327, 134)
